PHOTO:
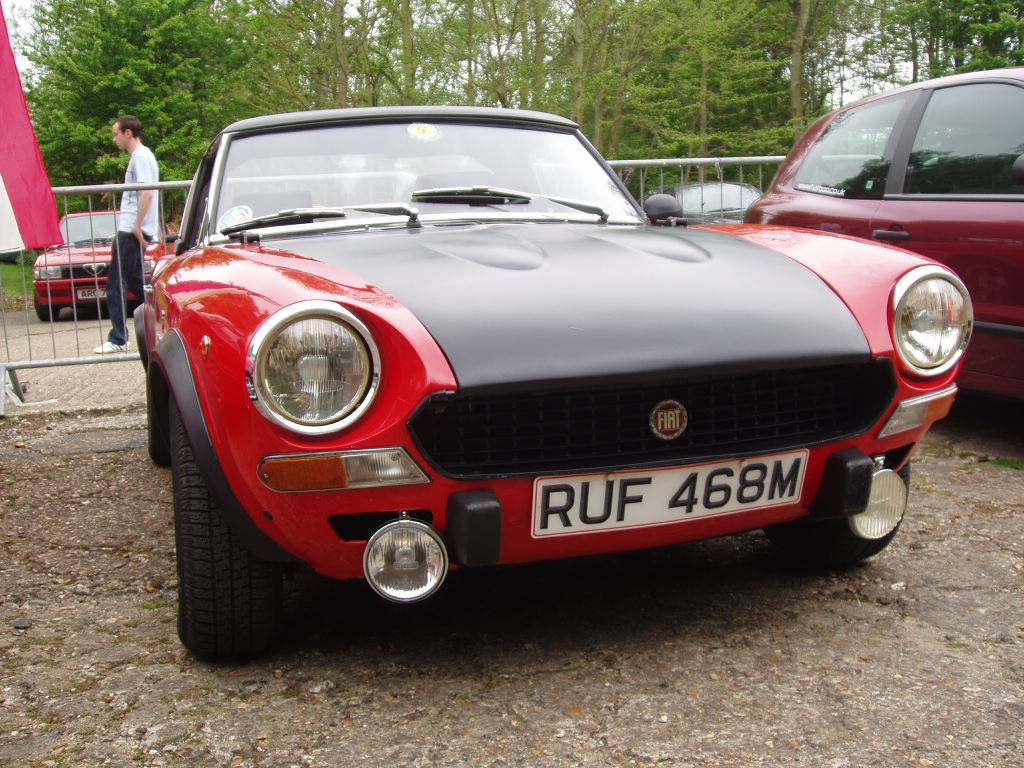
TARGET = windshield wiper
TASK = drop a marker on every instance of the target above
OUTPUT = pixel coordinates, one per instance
(392, 209)
(498, 196)
(95, 241)
(309, 215)
(289, 216)
(471, 196)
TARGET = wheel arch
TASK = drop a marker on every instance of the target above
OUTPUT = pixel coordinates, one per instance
(170, 376)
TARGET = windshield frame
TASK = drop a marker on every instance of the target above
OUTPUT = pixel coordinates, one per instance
(629, 210)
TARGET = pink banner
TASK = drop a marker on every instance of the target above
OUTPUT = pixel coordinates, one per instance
(28, 213)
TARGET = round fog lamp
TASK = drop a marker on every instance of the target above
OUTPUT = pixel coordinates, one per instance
(405, 561)
(886, 504)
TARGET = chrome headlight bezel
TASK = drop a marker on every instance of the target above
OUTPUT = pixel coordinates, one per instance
(909, 355)
(263, 343)
(425, 559)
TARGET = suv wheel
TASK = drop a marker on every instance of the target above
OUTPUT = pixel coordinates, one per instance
(46, 313)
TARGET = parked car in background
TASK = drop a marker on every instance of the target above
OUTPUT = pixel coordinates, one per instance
(938, 168)
(714, 202)
(397, 341)
(74, 274)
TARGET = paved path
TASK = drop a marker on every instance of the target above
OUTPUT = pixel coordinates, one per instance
(713, 653)
(94, 381)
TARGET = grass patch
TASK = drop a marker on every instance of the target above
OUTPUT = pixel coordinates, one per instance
(988, 509)
(39, 642)
(16, 281)
(155, 605)
(85, 685)
(1008, 463)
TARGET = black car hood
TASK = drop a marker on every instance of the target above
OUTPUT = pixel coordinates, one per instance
(522, 304)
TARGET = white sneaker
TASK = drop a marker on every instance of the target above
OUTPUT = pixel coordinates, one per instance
(108, 346)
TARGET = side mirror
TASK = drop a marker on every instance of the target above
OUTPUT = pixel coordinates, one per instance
(664, 211)
(1017, 171)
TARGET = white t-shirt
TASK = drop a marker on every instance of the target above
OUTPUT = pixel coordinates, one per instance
(142, 169)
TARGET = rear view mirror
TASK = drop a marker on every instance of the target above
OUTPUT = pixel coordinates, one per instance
(664, 210)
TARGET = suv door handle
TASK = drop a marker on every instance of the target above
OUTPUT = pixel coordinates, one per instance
(891, 234)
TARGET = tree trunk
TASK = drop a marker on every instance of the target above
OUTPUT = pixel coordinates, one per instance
(408, 55)
(801, 34)
(342, 96)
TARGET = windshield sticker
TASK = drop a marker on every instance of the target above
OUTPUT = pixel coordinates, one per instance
(234, 216)
(822, 189)
(423, 132)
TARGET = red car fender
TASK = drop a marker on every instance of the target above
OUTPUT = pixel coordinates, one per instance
(854, 269)
(216, 332)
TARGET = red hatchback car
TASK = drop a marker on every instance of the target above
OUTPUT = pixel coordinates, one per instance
(938, 168)
(74, 274)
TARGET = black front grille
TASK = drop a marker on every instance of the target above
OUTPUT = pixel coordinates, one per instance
(79, 271)
(604, 428)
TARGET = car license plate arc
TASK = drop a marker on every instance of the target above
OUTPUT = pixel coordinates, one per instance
(580, 504)
(92, 293)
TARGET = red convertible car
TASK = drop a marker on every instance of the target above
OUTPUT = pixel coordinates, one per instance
(398, 341)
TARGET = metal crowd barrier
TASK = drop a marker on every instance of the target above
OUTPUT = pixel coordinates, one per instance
(647, 176)
(27, 341)
(28, 344)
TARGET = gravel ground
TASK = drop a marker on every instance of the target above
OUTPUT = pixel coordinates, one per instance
(711, 653)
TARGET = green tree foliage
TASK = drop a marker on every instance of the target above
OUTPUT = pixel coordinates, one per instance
(903, 41)
(170, 62)
(644, 78)
(714, 85)
(965, 35)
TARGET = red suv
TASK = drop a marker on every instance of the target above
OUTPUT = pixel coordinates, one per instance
(936, 167)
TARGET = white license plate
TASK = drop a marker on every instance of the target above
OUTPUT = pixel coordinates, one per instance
(565, 506)
(92, 293)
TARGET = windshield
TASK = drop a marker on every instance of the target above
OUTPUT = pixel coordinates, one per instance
(355, 165)
(716, 196)
(95, 227)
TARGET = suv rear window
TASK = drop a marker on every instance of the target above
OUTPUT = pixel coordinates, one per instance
(969, 137)
(848, 160)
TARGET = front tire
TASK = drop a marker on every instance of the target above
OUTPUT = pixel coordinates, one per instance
(230, 604)
(47, 313)
(834, 543)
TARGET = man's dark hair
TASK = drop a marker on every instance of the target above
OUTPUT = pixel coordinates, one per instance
(130, 123)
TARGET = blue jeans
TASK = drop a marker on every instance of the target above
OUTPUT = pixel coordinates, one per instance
(125, 272)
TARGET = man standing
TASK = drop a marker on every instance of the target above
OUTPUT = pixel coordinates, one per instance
(138, 225)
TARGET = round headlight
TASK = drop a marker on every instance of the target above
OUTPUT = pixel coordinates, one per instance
(314, 367)
(932, 320)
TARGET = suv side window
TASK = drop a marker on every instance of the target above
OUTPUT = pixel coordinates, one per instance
(849, 158)
(967, 142)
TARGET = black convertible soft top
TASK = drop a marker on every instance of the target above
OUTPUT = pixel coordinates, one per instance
(363, 114)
